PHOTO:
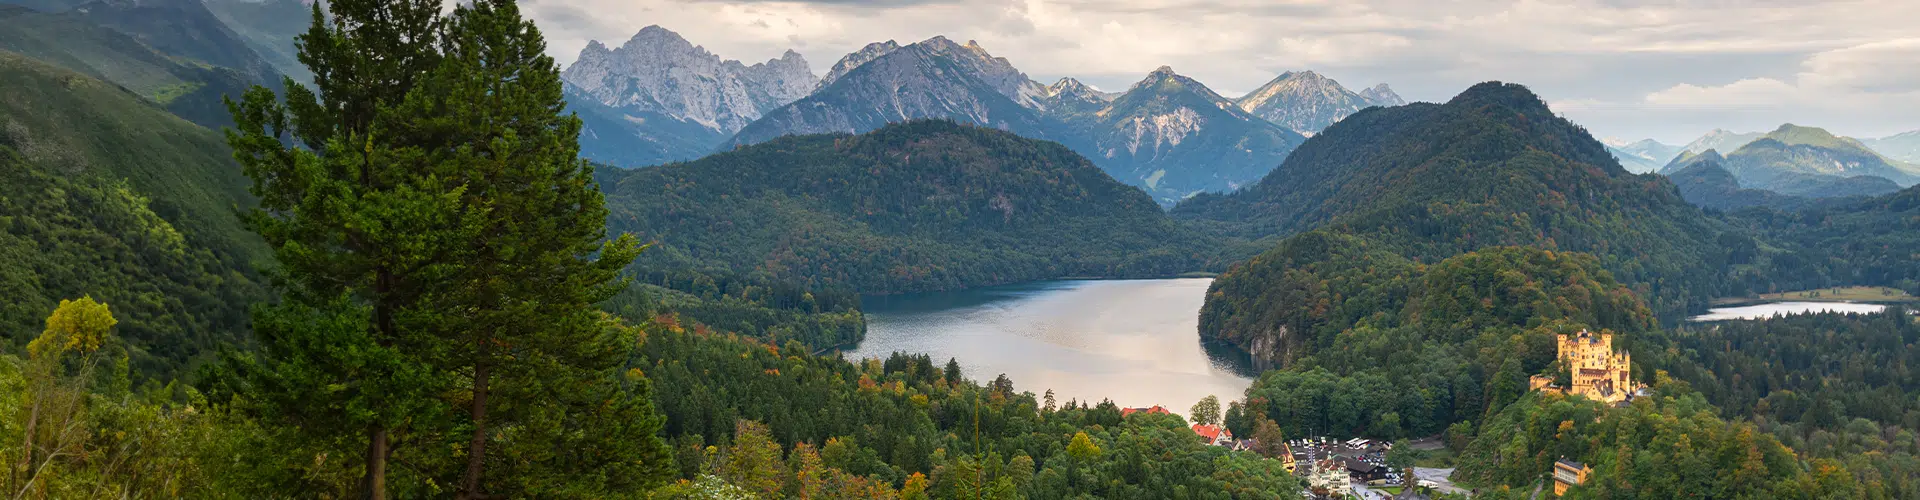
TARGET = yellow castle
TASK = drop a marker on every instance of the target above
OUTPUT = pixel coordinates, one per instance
(1597, 371)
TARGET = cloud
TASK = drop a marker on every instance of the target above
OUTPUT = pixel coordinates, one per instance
(1631, 68)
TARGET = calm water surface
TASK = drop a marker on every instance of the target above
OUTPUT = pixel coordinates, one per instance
(1763, 311)
(1136, 342)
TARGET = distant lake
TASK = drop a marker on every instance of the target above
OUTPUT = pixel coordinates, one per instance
(1136, 342)
(1763, 311)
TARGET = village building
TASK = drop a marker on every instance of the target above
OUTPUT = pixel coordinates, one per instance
(1362, 471)
(1596, 371)
(1213, 435)
(1330, 475)
(1567, 474)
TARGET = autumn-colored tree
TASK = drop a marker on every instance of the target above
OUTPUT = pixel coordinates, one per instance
(60, 366)
(753, 462)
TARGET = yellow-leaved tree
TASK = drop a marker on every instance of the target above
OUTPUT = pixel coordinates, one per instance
(59, 363)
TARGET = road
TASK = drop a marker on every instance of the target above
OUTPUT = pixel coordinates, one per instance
(1440, 478)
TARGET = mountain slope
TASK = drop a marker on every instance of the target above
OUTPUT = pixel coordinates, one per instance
(1807, 161)
(1168, 134)
(71, 41)
(269, 28)
(1644, 156)
(935, 78)
(1903, 147)
(922, 205)
(647, 101)
(1307, 102)
(1174, 137)
(1492, 167)
(1721, 140)
(1704, 182)
(111, 196)
(183, 28)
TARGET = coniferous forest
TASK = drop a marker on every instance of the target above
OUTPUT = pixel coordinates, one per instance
(399, 279)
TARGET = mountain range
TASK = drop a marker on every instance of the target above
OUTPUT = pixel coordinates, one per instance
(913, 206)
(1307, 102)
(1492, 167)
(1810, 162)
(1904, 147)
(1643, 156)
(658, 98)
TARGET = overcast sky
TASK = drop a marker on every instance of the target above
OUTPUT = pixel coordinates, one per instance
(1669, 70)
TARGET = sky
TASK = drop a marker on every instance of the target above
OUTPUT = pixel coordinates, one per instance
(1628, 69)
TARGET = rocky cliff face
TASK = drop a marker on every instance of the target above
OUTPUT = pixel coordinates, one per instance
(936, 78)
(1382, 95)
(1174, 137)
(658, 71)
(1308, 102)
(659, 98)
(854, 60)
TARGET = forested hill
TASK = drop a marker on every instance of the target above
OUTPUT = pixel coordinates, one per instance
(1492, 167)
(922, 205)
(110, 196)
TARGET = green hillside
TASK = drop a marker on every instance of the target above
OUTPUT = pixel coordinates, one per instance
(1492, 167)
(924, 205)
(1811, 162)
(71, 41)
(1705, 182)
(111, 196)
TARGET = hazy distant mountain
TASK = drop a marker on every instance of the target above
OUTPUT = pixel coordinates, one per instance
(1721, 140)
(1307, 102)
(649, 100)
(1705, 182)
(70, 40)
(269, 27)
(1809, 161)
(1174, 137)
(184, 29)
(1646, 155)
(1903, 147)
(1381, 95)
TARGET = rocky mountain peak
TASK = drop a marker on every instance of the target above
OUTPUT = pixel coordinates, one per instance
(1304, 101)
(1382, 95)
(657, 70)
(856, 58)
(996, 72)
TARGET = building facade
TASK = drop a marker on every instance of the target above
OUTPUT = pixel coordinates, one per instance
(1596, 370)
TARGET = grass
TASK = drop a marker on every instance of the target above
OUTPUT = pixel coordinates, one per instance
(1836, 294)
(1435, 459)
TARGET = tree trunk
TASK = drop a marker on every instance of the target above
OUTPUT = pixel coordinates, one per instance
(26, 445)
(376, 480)
(477, 448)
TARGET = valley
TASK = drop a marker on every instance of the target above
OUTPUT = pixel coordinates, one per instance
(410, 249)
(1131, 342)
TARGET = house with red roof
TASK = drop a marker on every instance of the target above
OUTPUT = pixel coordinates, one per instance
(1213, 434)
(1155, 410)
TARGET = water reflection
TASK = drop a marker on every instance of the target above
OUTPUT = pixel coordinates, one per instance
(1135, 342)
(1764, 311)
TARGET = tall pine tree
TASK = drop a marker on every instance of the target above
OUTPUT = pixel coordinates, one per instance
(441, 251)
(360, 236)
(534, 355)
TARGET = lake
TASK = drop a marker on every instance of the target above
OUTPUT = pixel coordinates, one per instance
(1136, 342)
(1768, 310)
